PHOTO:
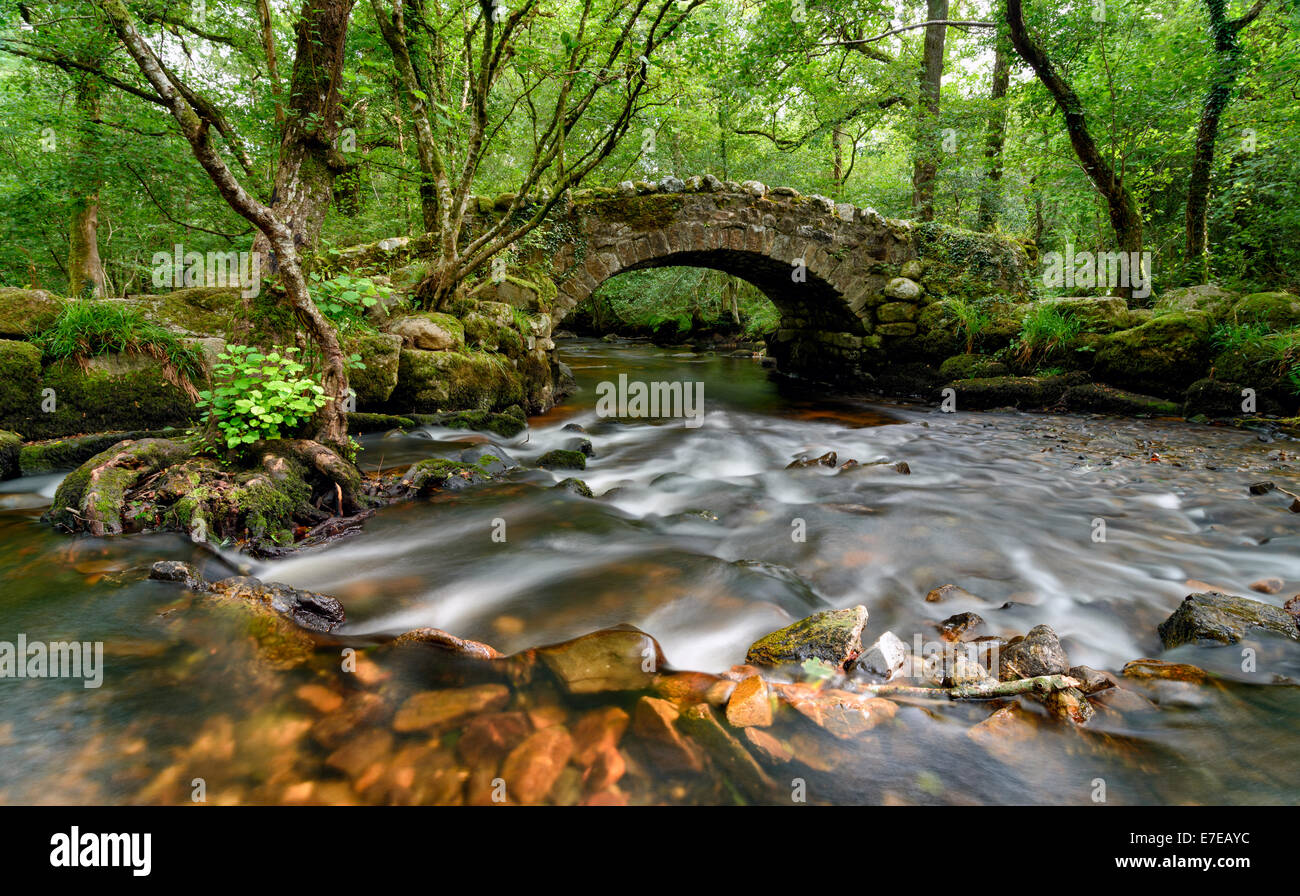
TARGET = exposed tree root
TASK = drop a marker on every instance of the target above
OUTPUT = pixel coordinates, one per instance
(285, 492)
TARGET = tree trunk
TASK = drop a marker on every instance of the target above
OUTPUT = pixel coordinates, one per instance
(1228, 50)
(926, 163)
(1124, 217)
(85, 268)
(990, 206)
(309, 157)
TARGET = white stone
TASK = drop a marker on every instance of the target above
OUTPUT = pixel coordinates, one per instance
(883, 658)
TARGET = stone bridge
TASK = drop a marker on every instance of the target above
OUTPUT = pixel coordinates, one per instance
(851, 285)
(854, 289)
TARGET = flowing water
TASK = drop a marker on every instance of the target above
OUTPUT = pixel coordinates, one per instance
(704, 539)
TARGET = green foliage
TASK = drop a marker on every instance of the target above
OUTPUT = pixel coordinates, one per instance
(345, 298)
(88, 328)
(257, 396)
(1233, 336)
(970, 318)
(1044, 330)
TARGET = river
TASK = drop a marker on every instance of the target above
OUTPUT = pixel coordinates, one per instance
(704, 539)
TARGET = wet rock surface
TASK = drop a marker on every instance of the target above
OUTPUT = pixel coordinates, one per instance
(1224, 619)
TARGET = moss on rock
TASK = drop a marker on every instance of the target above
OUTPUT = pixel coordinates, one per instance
(133, 397)
(1164, 355)
(55, 455)
(1100, 399)
(1279, 310)
(428, 382)
(380, 353)
(25, 312)
(563, 459)
(1013, 391)
(964, 367)
(20, 374)
(10, 451)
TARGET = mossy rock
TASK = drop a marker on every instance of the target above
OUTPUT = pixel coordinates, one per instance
(439, 474)
(1165, 355)
(113, 398)
(380, 353)
(201, 310)
(11, 444)
(20, 375)
(25, 312)
(562, 459)
(969, 263)
(1013, 391)
(1097, 314)
(833, 637)
(505, 425)
(1203, 297)
(363, 422)
(429, 382)
(56, 455)
(575, 486)
(1279, 310)
(1099, 399)
(964, 367)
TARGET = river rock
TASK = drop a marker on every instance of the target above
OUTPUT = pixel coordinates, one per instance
(882, 659)
(947, 592)
(1159, 670)
(314, 612)
(534, 766)
(597, 732)
(952, 628)
(1214, 618)
(182, 573)
(833, 636)
(743, 770)
(1090, 680)
(489, 737)
(430, 331)
(654, 721)
(429, 709)
(439, 638)
(750, 704)
(1038, 653)
(616, 659)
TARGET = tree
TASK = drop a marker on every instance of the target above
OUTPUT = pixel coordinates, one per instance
(986, 218)
(1124, 216)
(463, 75)
(283, 226)
(926, 161)
(1228, 50)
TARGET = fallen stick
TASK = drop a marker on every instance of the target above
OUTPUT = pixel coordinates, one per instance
(1042, 684)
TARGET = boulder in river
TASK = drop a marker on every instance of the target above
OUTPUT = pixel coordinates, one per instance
(1214, 618)
(1038, 653)
(614, 659)
(833, 636)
